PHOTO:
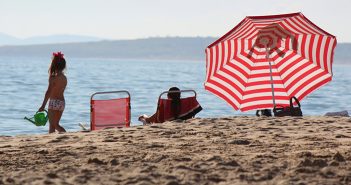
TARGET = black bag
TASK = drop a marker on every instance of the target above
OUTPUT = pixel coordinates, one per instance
(264, 112)
(288, 111)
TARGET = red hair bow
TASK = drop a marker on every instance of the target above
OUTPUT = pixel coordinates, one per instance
(58, 54)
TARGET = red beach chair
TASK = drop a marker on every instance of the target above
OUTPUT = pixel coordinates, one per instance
(189, 107)
(108, 113)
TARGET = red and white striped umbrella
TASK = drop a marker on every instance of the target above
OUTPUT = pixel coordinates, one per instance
(265, 60)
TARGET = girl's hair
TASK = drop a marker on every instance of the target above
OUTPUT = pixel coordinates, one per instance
(175, 104)
(58, 64)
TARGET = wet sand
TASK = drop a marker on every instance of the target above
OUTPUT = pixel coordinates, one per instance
(234, 150)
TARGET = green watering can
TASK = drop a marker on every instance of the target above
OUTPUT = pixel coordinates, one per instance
(39, 119)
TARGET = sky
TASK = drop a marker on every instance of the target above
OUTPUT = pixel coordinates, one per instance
(132, 19)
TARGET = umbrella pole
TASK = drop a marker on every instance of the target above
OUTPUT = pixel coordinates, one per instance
(270, 70)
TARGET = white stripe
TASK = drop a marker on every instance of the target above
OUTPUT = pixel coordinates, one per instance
(208, 63)
(307, 43)
(220, 54)
(213, 59)
(264, 79)
(321, 54)
(261, 71)
(233, 50)
(226, 48)
(299, 44)
(255, 87)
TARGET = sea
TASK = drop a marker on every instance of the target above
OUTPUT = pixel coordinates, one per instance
(24, 80)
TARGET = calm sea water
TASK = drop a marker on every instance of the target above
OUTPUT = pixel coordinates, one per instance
(23, 82)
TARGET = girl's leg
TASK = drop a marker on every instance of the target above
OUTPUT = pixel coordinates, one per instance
(56, 116)
(51, 121)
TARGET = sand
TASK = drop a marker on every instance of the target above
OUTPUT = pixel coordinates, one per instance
(234, 150)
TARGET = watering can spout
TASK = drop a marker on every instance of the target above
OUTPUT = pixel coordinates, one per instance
(29, 119)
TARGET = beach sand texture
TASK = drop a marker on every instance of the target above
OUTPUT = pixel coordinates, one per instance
(234, 150)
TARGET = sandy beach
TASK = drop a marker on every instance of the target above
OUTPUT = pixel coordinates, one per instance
(233, 150)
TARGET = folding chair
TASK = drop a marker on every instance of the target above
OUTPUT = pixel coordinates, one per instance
(108, 113)
(189, 107)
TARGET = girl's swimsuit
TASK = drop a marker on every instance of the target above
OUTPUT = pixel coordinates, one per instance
(55, 104)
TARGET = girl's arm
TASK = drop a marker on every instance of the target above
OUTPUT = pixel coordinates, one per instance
(47, 94)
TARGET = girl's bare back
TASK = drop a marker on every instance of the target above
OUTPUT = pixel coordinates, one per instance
(59, 84)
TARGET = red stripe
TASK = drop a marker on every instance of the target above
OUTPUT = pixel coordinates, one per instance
(314, 87)
(261, 98)
(240, 30)
(210, 63)
(234, 75)
(332, 56)
(310, 48)
(289, 66)
(300, 27)
(306, 82)
(308, 26)
(222, 96)
(240, 70)
(303, 46)
(207, 63)
(260, 106)
(299, 77)
(325, 54)
(311, 23)
(274, 16)
(231, 83)
(250, 84)
(293, 27)
(287, 43)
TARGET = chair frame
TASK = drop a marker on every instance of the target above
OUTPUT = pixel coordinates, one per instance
(109, 92)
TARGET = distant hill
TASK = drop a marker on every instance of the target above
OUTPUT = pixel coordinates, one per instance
(187, 48)
(343, 53)
(66, 38)
(177, 48)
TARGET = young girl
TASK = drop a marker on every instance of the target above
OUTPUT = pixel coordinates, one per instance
(56, 88)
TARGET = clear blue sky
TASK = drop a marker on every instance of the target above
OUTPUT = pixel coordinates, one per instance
(129, 19)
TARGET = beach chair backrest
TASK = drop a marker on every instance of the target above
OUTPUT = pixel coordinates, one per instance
(189, 107)
(109, 113)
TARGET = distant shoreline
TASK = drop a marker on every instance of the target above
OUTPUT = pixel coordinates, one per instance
(163, 48)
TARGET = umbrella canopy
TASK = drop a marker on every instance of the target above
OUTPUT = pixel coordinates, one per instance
(265, 60)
